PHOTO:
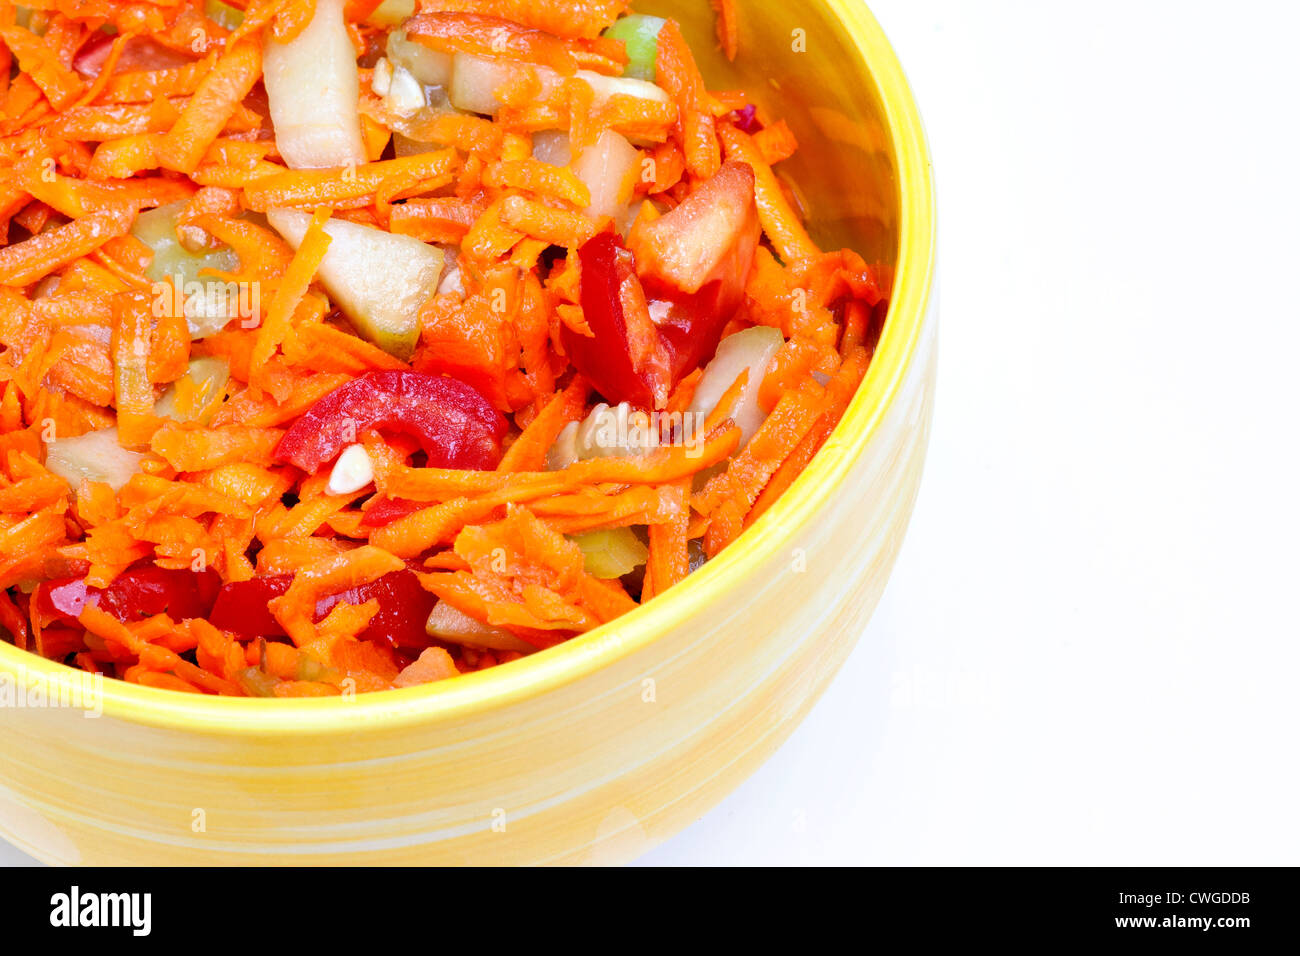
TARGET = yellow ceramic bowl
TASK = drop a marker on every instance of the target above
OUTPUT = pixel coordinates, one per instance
(596, 750)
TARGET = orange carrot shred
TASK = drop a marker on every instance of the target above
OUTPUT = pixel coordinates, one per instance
(158, 333)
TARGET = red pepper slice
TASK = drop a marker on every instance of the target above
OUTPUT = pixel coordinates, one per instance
(404, 607)
(623, 357)
(453, 423)
(139, 55)
(134, 594)
(387, 510)
(690, 266)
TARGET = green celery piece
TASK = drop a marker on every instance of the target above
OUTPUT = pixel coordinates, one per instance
(640, 35)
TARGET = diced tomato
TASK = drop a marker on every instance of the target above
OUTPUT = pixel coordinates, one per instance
(453, 423)
(689, 280)
(404, 605)
(134, 594)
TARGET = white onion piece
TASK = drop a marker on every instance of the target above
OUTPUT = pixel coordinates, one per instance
(381, 77)
(207, 300)
(448, 624)
(750, 349)
(380, 280)
(609, 168)
(607, 432)
(313, 90)
(405, 95)
(564, 452)
(94, 456)
(603, 87)
(405, 146)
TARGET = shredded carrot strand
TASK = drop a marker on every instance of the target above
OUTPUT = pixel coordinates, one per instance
(163, 347)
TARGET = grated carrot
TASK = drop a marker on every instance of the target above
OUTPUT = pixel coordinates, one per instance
(112, 109)
(214, 102)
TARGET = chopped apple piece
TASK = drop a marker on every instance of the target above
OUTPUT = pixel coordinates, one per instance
(552, 146)
(380, 280)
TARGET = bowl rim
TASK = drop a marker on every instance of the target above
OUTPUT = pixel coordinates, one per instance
(472, 694)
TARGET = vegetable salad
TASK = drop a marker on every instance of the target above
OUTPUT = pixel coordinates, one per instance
(348, 345)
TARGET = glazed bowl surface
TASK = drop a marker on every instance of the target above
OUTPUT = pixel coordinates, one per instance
(594, 751)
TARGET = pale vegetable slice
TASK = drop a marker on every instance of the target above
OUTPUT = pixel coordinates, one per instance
(156, 228)
(603, 87)
(611, 553)
(207, 300)
(552, 146)
(609, 168)
(606, 432)
(206, 379)
(392, 13)
(313, 89)
(405, 95)
(448, 624)
(475, 80)
(94, 456)
(749, 349)
(379, 280)
(405, 146)
(430, 67)
(223, 14)
(564, 451)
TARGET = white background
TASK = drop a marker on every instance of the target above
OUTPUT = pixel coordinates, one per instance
(1088, 652)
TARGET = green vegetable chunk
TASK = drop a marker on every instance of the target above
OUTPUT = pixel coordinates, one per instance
(640, 35)
(223, 14)
(156, 228)
(612, 553)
